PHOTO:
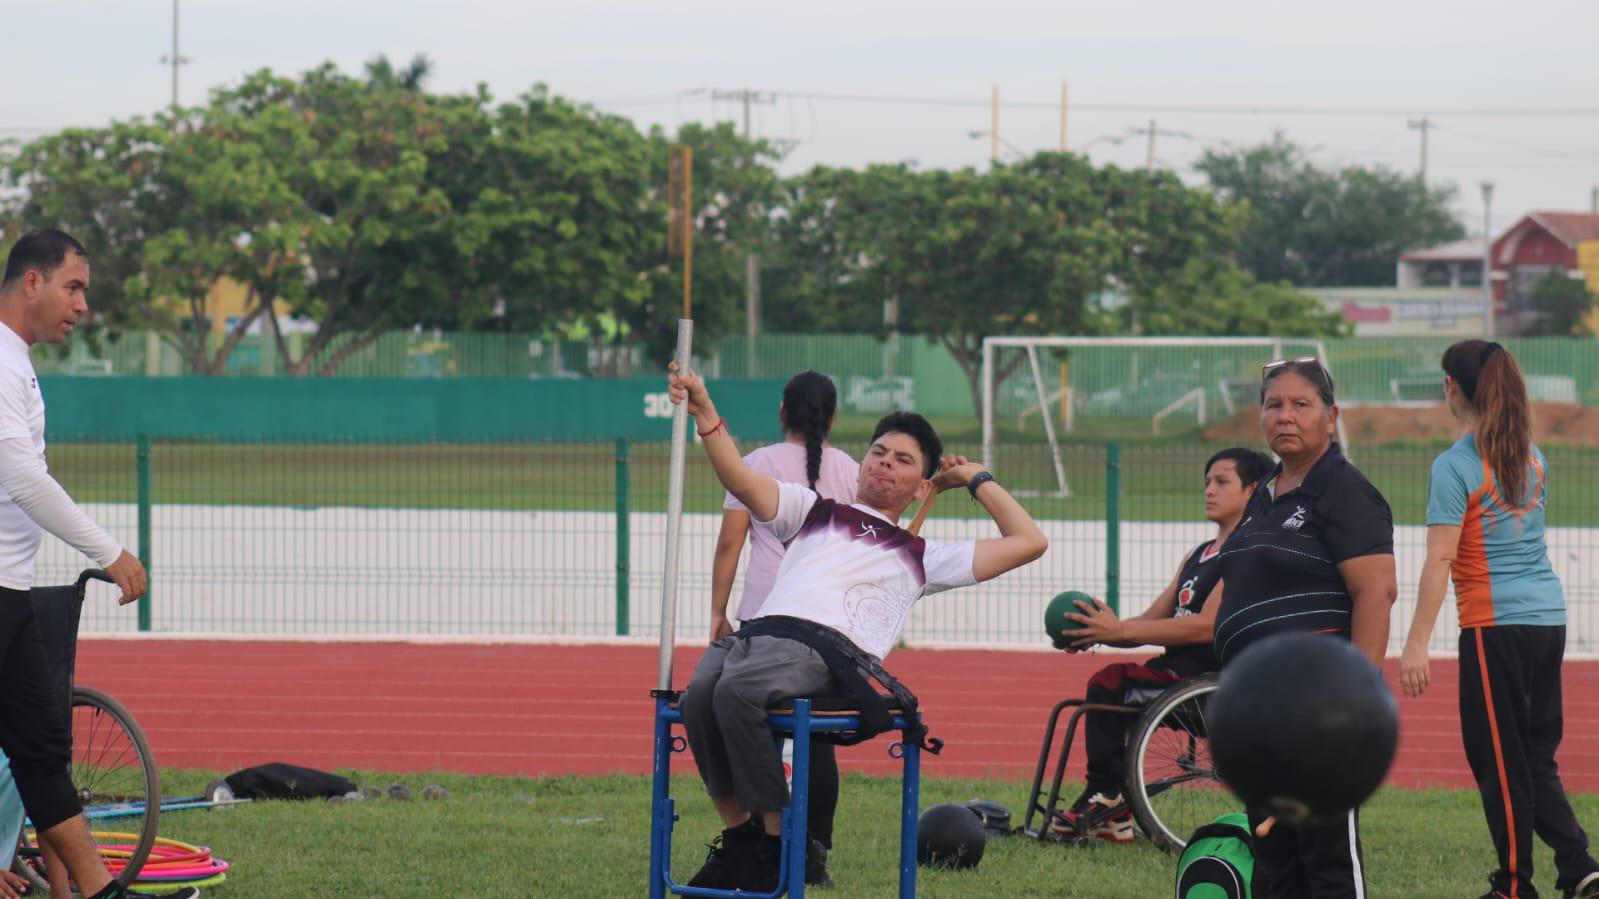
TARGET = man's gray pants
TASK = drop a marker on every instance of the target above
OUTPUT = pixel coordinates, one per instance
(724, 714)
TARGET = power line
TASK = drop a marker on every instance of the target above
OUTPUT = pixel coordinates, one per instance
(1484, 111)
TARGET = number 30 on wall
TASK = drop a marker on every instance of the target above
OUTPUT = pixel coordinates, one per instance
(657, 405)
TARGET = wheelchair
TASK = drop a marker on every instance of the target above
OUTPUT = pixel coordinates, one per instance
(1171, 786)
(112, 765)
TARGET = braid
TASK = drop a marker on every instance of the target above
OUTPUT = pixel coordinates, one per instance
(813, 459)
(809, 401)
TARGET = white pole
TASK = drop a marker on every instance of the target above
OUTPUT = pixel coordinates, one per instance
(1049, 424)
(674, 513)
(1487, 262)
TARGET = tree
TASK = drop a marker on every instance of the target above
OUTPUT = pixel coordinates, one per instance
(1211, 296)
(165, 211)
(1326, 227)
(368, 204)
(1020, 249)
(1563, 304)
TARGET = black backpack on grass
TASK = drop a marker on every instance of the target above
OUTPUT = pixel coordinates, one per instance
(281, 781)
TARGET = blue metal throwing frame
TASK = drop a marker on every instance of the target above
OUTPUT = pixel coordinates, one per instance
(791, 876)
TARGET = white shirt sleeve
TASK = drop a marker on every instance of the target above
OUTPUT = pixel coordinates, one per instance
(13, 411)
(948, 565)
(793, 504)
(25, 479)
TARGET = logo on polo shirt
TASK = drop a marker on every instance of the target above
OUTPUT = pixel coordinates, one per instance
(868, 530)
(1185, 597)
(1296, 520)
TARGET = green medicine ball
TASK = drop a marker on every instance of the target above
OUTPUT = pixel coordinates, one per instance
(1056, 624)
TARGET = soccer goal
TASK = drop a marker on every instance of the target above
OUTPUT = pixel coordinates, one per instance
(1113, 387)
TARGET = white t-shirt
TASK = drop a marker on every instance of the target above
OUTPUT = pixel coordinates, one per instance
(786, 462)
(21, 416)
(854, 571)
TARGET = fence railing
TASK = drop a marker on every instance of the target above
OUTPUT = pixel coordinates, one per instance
(499, 538)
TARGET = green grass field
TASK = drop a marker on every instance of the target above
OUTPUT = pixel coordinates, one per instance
(589, 837)
(1159, 481)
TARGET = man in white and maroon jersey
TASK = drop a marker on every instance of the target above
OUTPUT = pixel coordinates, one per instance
(847, 581)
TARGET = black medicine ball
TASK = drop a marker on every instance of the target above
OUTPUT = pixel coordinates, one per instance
(949, 835)
(1302, 726)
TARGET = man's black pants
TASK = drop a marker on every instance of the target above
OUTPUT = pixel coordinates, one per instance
(1312, 862)
(1511, 723)
(33, 726)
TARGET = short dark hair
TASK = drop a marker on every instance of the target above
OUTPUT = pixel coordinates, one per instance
(1314, 372)
(41, 250)
(920, 430)
(1252, 465)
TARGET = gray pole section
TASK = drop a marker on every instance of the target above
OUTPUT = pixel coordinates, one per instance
(674, 513)
(1488, 324)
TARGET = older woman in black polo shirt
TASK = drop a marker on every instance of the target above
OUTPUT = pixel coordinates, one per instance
(1315, 553)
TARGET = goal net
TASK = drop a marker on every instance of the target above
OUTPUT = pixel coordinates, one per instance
(1043, 391)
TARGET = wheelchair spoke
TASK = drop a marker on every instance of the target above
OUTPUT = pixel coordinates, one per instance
(1172, 783)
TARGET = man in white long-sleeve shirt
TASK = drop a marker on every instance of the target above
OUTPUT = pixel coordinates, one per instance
(42, 298)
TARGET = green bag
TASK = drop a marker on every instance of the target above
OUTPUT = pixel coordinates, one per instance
(1218, 862)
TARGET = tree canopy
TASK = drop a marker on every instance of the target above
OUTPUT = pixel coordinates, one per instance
(368, 203)
(1326, 227)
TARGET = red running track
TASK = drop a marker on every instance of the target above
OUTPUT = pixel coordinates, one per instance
(538, 710)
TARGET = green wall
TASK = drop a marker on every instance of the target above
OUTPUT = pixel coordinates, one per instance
(387, 409)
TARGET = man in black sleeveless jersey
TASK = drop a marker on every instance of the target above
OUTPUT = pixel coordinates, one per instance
(1180, 619)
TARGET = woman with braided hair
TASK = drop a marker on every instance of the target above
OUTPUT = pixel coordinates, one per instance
(1485, 529)
(803, 457)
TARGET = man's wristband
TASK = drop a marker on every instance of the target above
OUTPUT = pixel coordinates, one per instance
(720, 425)
(978, 480)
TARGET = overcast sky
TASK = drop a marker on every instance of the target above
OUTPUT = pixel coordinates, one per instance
(85, 62)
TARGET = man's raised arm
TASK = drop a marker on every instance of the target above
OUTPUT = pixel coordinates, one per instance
(1020, 539)
(756, 491)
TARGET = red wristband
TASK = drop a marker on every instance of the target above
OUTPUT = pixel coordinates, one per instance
(721, 424)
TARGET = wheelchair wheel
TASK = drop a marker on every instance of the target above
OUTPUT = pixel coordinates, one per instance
(1172, 785)
(115, 773)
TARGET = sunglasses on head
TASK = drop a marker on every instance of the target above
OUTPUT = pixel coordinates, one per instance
(1268, 368)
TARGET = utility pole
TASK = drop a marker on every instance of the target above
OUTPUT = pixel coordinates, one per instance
(1063, 116)
(1149, 156)
(175, 59)
(993, 126)
(752, 262)
(1423, 125)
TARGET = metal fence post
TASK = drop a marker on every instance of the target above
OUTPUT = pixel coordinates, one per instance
(623, 537)
(144, 526)
(1113, 526)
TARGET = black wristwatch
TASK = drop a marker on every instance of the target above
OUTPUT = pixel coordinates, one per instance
(978, 480)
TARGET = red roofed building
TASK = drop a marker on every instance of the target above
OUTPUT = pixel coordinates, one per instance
(1540, 243)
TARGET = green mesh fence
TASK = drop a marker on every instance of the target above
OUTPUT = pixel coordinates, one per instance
(1116, 390)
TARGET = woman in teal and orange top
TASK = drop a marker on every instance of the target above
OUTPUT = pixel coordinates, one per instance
(1485, 527)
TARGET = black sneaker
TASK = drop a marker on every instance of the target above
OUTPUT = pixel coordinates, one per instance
(1587, 888)
(729, 855)
(1499, 887)
(762, 870)
(816, 866)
